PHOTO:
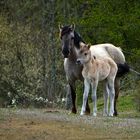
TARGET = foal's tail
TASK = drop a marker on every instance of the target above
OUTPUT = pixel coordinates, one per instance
(122, 69)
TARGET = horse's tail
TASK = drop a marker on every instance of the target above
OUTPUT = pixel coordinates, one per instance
(134, 71)
(122, 69)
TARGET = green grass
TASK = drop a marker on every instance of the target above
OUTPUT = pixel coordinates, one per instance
(126, 106)
(125, 103)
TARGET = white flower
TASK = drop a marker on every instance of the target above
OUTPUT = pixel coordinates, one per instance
(9, 94)
(13, 101)
(63, 99)
(40, 99)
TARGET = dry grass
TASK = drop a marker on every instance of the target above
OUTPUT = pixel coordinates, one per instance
(58, 125)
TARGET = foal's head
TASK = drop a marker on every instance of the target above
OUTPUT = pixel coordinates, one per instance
(84, 54)
(67, 38)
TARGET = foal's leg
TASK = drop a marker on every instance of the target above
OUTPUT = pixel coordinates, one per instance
(73, 96)
(94, 97)
(106, 93)
(112, 95)
(87, 112)
(117, 89)
(85, 96)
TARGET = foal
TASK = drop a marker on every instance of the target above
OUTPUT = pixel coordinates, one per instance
(95, 70)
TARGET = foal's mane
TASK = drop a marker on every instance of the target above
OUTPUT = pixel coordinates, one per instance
(77, 38)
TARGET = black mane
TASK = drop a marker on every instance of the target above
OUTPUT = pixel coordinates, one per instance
(77, 37)
(77, 40)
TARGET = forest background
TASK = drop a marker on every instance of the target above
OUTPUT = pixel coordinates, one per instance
(31, 63)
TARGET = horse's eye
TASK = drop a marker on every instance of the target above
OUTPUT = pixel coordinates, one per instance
(85, 54)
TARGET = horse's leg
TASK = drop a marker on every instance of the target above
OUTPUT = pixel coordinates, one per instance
(94, 97)
(68, 97)
(106, 93)
(85, 96)
(73, 96)
(117, 89)
(112, 95)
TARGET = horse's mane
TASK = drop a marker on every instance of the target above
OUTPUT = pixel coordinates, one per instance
(77, 40)
(77, 37)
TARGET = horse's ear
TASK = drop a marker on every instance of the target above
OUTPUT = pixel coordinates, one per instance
(72, 26)
(88, 45)
(60, 26)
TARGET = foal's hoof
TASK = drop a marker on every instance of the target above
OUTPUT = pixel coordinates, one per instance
(94, 114)
(110, 115)
(82, 114)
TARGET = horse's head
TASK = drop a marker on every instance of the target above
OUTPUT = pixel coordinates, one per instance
(84, 54)
(67, 38)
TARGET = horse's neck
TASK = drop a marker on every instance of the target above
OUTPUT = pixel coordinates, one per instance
(73, 55)
(90, 64)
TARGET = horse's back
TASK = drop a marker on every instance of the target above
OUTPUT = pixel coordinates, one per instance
(108, 50)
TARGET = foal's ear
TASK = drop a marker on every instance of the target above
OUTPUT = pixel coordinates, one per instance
(88, 45)
(72, 26)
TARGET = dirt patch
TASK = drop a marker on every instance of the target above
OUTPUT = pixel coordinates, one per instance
(36, 124)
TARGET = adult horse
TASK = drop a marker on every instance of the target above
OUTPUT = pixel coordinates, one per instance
(71, 42)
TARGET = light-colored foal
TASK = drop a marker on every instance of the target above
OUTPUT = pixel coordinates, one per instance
(95, 70)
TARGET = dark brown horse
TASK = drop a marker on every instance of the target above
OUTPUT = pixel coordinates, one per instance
(71, 42)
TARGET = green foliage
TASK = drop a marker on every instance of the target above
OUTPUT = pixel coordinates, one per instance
(31, 65)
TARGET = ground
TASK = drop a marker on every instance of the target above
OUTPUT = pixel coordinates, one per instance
(53, 124)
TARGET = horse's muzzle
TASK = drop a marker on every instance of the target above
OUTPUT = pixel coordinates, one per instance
(65, 52)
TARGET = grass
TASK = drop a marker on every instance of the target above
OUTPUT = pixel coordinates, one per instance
(125, 103)
(35, 124)
(126, 106)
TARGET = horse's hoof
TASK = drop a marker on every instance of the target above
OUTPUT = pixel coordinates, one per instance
(94, 114)
(74, 111)
(115, 113)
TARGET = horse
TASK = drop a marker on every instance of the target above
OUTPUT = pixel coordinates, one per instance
(95, 70)
(71, 42)
(72, 70)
